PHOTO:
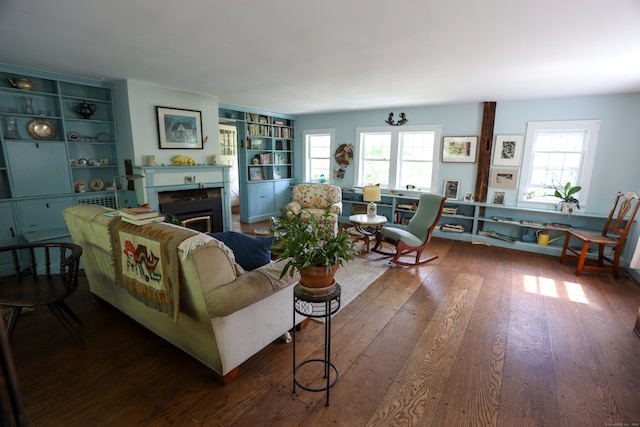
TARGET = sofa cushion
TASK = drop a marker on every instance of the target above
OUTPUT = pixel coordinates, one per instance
(250, 252)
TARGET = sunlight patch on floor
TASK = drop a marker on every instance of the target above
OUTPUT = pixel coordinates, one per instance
(549, 288)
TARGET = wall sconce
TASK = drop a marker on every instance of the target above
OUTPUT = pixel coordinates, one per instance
(116, 181)
(390, 121)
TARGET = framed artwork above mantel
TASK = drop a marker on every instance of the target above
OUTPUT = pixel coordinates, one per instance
(179, 128)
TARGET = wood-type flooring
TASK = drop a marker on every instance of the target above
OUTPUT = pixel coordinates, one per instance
(483, 336)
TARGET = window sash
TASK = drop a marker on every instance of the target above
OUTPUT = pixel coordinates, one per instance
(556, 153)
(393, 158)
(318, 145)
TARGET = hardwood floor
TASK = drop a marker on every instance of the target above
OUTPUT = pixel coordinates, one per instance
(482, 336)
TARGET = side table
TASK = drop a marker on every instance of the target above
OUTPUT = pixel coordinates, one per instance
(366, 227)
(316, 305)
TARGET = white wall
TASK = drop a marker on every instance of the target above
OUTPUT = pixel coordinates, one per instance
(138, 127)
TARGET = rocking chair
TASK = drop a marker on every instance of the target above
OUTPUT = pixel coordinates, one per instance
(613, 234)
(418, 233)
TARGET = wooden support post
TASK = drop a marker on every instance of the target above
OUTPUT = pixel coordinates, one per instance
(484, 152)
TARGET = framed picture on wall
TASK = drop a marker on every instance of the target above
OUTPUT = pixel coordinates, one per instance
(451, 189)
(498, 198)
(504, 178)
(459, 149)
(179, 129)
(508, 150)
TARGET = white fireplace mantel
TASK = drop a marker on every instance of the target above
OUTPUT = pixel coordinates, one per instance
(174, 178)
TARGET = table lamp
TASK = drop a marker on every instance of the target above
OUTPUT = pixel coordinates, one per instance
(115, 184)
(371, 195)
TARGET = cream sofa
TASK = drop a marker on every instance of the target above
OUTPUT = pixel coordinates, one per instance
(225, 315)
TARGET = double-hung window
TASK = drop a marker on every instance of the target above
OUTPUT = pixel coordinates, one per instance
(397, 157)
(317, 145)
(556, 153)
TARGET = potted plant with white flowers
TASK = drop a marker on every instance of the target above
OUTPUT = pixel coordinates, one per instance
(568, 203)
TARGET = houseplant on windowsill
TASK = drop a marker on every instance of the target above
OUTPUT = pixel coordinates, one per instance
(565, 193)
(309, 245)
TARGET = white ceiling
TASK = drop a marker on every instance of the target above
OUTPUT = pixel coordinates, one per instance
(297, 56)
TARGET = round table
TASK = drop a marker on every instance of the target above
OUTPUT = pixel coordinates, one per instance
(367, 227)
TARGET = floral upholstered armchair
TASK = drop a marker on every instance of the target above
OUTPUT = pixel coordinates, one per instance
(315, 199)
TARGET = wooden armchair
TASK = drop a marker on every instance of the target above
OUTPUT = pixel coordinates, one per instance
(418, 233)
(45, 274)
(613, 234)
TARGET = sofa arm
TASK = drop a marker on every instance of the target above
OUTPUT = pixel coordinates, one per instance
(248, 289)
(294, 207)
(336, 208)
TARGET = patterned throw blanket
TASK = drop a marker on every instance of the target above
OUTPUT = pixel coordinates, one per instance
(144, 264)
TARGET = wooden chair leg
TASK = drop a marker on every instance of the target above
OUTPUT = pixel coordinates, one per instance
(11, 377)
(57, 312)
(13, 320)
(70, 312)
(582, 258)
(564, 248)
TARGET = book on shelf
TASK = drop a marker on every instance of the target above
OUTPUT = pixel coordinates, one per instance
(505, 219)
(138, 213)
(500, 236)
(143, 221)
(455, 228)
(530, 223)
(450, 211)
(407, 206)
(558, 226)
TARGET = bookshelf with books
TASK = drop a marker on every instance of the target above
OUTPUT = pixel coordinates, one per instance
(476, 222)
(265, 159)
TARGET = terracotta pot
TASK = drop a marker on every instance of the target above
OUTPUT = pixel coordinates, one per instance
(317, 277)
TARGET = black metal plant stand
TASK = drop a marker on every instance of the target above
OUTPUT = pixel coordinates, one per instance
(316, 306)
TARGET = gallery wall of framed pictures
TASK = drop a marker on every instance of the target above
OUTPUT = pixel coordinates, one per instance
(505, 164)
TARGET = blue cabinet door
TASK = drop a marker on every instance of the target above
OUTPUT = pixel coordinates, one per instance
(262, 203)
(8, 237)
(38, 168)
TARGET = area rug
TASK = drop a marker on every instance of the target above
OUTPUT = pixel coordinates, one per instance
(356, 276)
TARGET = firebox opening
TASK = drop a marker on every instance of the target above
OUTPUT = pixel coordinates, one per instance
(188, 205)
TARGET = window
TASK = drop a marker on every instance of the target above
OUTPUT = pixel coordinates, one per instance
(557, 153)
(318, 154)
(395, 158)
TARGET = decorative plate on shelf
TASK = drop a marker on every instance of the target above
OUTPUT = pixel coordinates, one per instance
(96, 184)
(73, 136)
(41, 129)
(103, 137)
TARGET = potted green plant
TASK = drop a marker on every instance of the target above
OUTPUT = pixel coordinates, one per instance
(309, 245)
(565, 194)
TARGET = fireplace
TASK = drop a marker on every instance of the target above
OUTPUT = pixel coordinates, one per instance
(199, 209)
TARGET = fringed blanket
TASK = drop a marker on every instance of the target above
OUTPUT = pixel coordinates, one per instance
(146, 266)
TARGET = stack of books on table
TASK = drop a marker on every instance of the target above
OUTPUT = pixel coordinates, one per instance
(140, 216)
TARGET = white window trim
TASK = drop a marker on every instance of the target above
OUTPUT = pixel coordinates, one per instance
(395, 141)
(593, 128)
(305, 150)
